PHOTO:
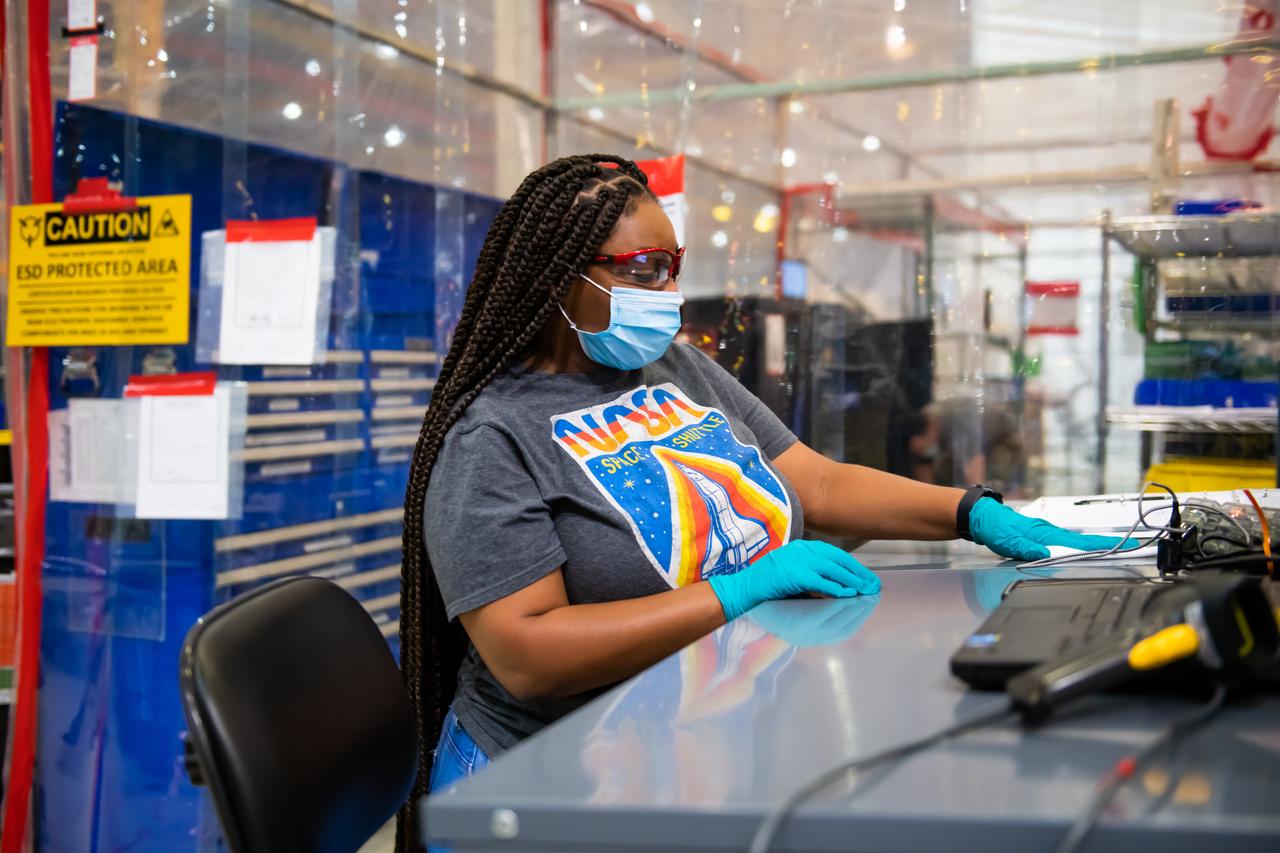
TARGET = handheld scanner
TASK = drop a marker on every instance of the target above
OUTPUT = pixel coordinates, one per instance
(1223, 621)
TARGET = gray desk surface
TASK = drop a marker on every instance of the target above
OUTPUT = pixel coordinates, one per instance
(693, 753)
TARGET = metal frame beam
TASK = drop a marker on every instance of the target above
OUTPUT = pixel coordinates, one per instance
(1137, 173)
(879, 82)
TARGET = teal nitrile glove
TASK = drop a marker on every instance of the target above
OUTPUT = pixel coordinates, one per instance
(820, 622)
(1011, 534)
(796, 568)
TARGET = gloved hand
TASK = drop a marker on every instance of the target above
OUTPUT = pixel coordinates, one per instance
(1011, 534)
(821, 622)
(799, 567)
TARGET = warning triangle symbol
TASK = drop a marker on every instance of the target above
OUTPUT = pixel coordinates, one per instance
(167, 227)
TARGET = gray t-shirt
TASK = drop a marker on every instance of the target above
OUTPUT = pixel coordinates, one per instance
(635, 482)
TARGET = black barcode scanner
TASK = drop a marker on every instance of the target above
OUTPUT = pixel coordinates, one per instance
(1219, 622)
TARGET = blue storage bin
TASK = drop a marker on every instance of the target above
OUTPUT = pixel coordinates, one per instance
(1235, 303)
(1214, 207)
(1220, 393)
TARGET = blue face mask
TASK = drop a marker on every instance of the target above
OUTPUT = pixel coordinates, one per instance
(642, 324)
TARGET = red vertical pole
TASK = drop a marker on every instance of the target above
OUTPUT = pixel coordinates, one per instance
(31, 445)
(547, 21)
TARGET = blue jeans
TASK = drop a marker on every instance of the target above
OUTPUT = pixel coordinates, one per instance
(457, 755)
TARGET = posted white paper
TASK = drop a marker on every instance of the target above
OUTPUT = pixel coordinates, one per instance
(183, 453)
(270, 301)
(82, 72)
(82, 15)
(90, 458)
(59, 455)
(673, 206)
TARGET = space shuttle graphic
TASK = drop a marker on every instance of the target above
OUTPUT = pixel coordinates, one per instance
(732, 539)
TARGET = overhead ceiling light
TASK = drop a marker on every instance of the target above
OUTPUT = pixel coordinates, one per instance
(582, 26)
(870, 142)
(895, 37)
(402, 31)
(840, 234)
(788, 157)
(899, 5)
(402, 16)
(797, 106)
(728, 196)
(697, 23)
(722, 213)
(645, 12)
(595, 114)
(831, 177)
(292, 111)
(312, 68)
(394, 136)
(719, 239)
(386, 51)
(162, 55)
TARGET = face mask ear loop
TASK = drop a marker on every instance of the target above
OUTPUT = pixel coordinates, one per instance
(568, 319)
(598, 287)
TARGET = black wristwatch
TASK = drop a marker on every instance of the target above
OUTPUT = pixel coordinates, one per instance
(971, 496)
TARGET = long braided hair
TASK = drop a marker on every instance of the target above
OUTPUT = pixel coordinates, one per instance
(541, 239)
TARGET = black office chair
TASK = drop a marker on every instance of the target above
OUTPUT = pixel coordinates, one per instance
(298, 720)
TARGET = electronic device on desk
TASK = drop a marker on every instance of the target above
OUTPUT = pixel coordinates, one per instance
(1053, 640)
(1221, 535)
(1198, 534)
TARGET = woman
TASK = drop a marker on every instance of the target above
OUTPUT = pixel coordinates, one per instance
(586, 499)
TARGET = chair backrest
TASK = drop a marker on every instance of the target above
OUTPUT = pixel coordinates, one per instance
(298, 718)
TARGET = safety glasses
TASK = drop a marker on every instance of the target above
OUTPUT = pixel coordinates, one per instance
(644, 267)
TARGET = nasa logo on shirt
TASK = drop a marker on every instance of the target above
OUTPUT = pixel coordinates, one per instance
(699, 502)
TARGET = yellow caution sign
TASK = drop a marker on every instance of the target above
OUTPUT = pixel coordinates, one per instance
(119, 276)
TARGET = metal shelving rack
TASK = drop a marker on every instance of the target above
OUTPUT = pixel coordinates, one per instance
(1160, 238)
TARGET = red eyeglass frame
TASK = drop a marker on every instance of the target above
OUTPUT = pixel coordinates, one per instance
(677, 258)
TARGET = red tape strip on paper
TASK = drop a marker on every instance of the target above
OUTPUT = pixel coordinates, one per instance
(174, 385)
(1053, 288)
(272, 230)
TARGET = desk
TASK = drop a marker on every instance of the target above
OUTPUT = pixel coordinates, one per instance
(692, 754)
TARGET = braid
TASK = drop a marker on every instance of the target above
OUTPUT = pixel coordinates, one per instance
(543, 236)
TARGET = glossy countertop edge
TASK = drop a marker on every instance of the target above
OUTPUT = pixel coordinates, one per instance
(457, 811)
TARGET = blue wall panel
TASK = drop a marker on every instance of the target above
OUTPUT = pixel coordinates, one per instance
(120, 594)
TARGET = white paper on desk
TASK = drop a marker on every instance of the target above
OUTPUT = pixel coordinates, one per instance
(91, 459)
(1102, 513)
(270, 302)
(183, 456)
(1142, 553)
